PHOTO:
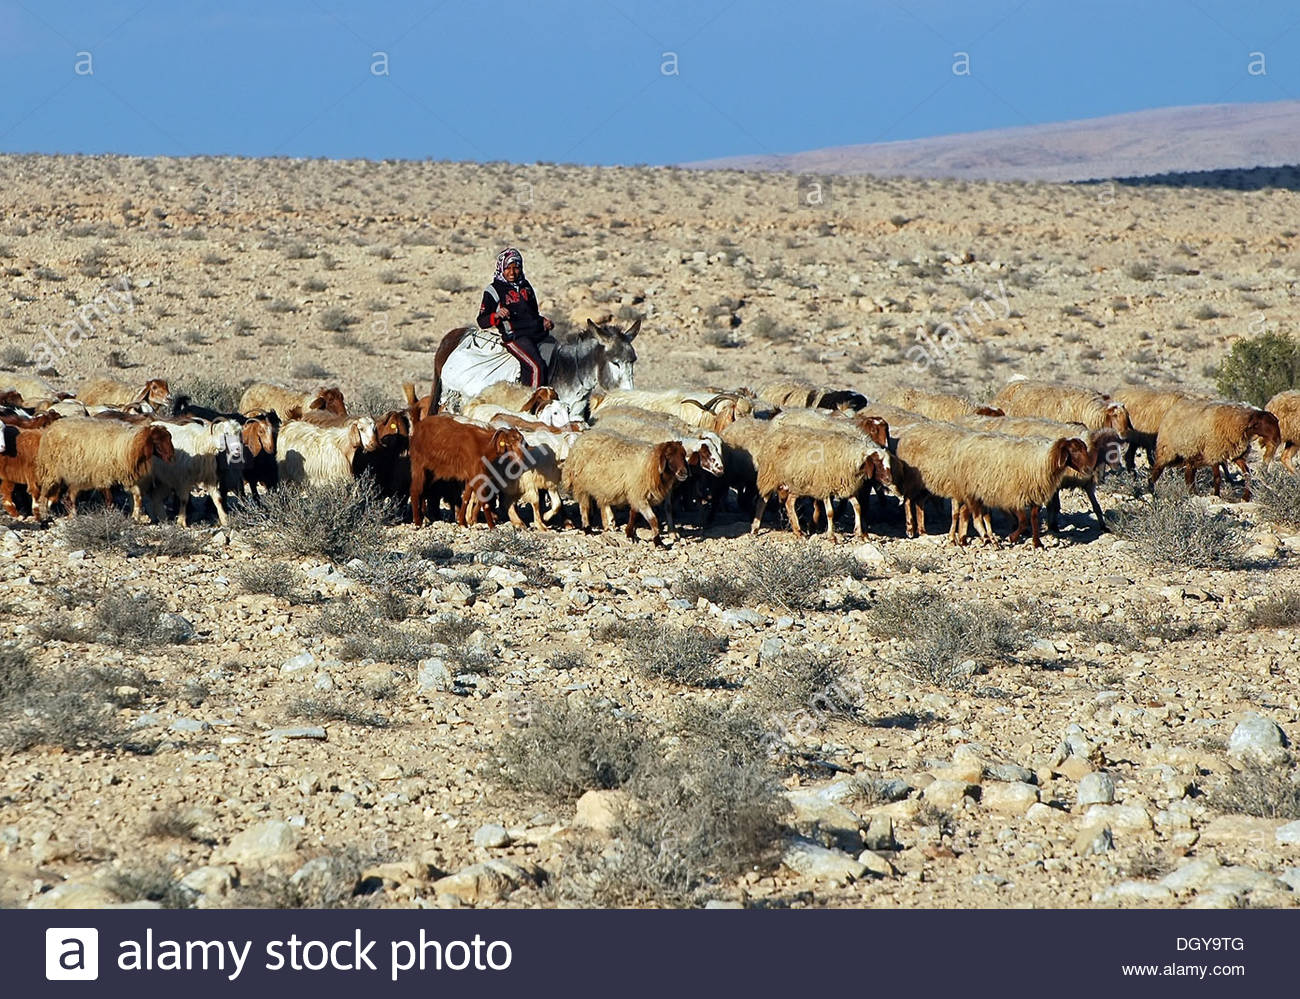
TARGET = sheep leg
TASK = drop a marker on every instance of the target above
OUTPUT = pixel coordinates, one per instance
(214, 494)
(1022, 523)
(630, 530)
(759, 507)
(1157, 470)
(1287, 454)
(1218, 479)
(858, 529)
(830, 517)
(1091, 490)
(1245, 477)
(1189, 476)
(649, 514)
(1054, 510)
(607, 519)
(1033, 523)
(137, 504)
(1130, 457)
(793, 514)
(512, 512)
(955, 536)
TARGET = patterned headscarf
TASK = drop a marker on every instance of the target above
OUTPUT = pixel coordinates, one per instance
(504, 257)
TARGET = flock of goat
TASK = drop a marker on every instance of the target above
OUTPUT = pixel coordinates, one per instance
(632, 450)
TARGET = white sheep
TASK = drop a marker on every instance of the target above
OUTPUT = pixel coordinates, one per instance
(313, 455)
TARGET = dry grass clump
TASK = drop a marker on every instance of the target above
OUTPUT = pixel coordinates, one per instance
(211, 393)
(1278, 495)
(665, 651)
(790, 575)
(330, 881)
(1266, 790)
(1282, 610)
(339, 522)
(703, 805)
(332, 708)
(806, 680)
(275, 579)
(108, 529)
(1177, 530)
(947, 642)
(75, 708)
(569, 746)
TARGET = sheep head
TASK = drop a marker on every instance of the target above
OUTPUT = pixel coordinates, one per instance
(876, 466)
(507, 441)
(1117, 418)
(1265, 426)
(330, 400)
(670, 457)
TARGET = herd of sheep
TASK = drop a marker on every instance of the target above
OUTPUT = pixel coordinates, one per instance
(635, 450)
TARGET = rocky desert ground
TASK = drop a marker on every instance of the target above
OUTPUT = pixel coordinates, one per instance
(326, 711)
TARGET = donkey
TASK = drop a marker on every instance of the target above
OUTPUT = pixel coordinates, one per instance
(600, 357)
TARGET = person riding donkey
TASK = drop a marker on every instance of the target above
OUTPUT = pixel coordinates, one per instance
(510, 307)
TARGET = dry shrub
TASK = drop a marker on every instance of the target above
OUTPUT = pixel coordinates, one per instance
(1278, 494)
(1261, 789)
(568, 746)
(947, 642)
(1177, 530)
(339, 522)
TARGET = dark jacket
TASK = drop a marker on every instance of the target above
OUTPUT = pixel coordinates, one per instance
(525, 320)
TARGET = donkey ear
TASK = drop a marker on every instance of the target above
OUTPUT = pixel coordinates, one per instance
(630, 333)
(593, 329)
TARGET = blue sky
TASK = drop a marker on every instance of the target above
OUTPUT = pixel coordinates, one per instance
(593, 83)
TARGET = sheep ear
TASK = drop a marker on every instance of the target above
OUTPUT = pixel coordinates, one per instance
(354, 437)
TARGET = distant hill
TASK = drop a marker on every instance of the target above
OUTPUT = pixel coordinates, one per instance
(1181, 140)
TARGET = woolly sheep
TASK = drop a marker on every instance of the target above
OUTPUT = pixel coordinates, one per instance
(80, 454)
(1195, 433)
(1064, 402)
(932, 405)
(1286, 407)
(616, 471)
(796, 459)
(315, 455)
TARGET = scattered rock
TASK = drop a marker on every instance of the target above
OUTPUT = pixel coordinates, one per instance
(813, 860)
(75, 895)
(298, 663)
(1122, 818)
(491, 836)
(1093, 841)
(1288, 834)
(1012, 799)
(604, 811)
(1096, 788)
(214, 881)
(265, 841)
(486, 882)
(946, 793)
(1257, 738)
(879, 834)
(298, 732)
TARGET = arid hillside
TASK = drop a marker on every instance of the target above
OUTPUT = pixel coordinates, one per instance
(322, 706)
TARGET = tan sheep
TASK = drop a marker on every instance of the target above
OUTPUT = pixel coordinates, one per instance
(700, 408)
(795, 459)
(288, 404)
(32, 388)
(1104, 451)
(1286, 407)
(1146, 407)
(979, 470)
(932, 405)
(512, 395)
(1064, 402)
(616, 471)
(110, 392)
(80, 454)
(1195, 433)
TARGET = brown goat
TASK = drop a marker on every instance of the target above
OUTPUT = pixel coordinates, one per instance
(445, 449)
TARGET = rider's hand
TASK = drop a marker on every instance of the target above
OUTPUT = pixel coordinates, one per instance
(547, 325)
(503, 312)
